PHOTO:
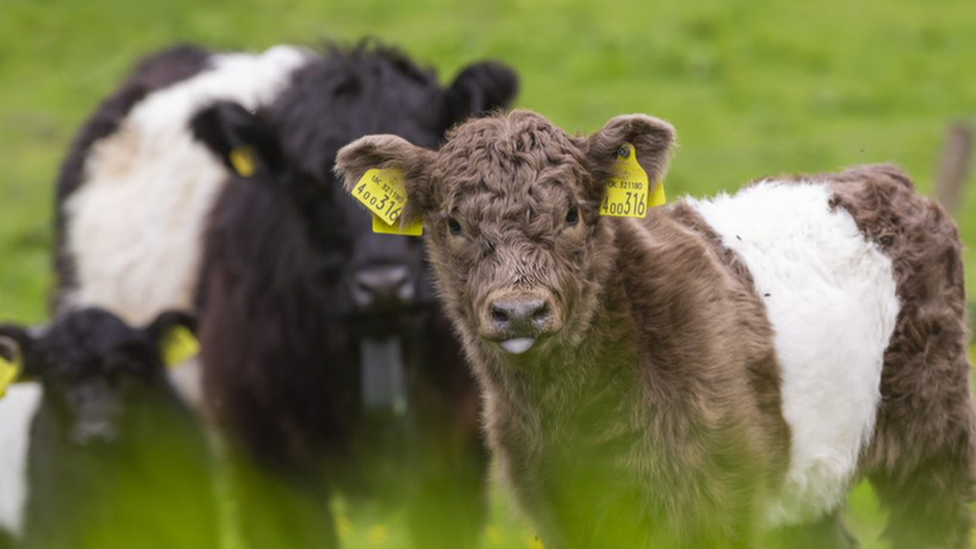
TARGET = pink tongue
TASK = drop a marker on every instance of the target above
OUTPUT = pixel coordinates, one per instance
(519, 345)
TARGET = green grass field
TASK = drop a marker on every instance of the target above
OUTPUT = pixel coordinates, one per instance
(754, 88)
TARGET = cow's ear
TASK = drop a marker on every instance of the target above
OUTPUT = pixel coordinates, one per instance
(241, 139)
(16, 344)
(652, 138)
(390, 152)
(174, 333)
(479, 89)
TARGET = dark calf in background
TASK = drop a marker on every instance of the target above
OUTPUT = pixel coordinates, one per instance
(115, 459)
(324, 355)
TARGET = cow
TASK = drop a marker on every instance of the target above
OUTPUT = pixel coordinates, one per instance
(206, 182)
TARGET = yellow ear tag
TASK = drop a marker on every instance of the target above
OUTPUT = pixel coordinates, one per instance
(627, 190)
(408, 229)
(242, 158)
(9, 371)
(180, 345)
(383, 192)
(657, 196)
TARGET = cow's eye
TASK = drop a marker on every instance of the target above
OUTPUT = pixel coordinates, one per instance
(572, 216)
(454, 226)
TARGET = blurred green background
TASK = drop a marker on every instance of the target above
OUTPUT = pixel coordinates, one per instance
(754, 88)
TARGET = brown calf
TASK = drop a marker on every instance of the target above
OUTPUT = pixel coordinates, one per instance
(715, 375)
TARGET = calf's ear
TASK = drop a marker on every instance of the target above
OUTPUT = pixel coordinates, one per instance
(174, 333)
(241, 139)
(16, 344)
(480, 88)
(389, 152)
(652, 138)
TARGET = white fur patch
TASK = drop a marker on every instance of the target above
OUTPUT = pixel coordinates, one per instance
(135, 226)
(17, 410)
(831, 298)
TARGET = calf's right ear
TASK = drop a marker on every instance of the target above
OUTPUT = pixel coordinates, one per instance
(174, 333)
(241, 139)
(390, 152)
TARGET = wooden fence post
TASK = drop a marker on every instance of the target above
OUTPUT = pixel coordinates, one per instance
(954, 167)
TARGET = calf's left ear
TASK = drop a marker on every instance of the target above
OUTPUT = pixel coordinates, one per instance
(15, 345)
(478, 89)
(390, 152)
(652, 138)
(242, 140)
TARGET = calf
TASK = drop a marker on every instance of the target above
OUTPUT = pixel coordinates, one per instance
(717, 373)
(99, 451)
(324, 358)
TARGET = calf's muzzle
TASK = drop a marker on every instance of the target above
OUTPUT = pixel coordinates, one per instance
(517, 320)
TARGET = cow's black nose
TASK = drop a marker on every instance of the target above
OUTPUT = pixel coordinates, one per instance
(520, 317)
(379, 287)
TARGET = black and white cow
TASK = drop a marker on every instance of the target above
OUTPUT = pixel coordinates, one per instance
(324, 356)
(96, 448)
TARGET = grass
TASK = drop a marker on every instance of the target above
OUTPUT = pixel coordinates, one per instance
(754, 88)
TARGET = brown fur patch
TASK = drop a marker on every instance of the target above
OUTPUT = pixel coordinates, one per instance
(922, 456)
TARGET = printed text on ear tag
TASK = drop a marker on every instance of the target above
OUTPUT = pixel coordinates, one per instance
(627, 190)
(242, 158)
(8, 373)
(180, 345)
(407, 229)
(382, 191)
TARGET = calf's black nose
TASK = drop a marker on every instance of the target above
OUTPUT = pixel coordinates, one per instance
(379, 287)
(520, 317)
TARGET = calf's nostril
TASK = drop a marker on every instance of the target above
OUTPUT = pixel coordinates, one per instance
(498, 315)
(541, 314)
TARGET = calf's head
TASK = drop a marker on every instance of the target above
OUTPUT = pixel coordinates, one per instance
(331, 102)
(511, 211)
(93, 367)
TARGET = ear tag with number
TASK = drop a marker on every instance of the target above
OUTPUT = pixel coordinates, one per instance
(242, 159)
(9, 371)
(627, 190)
(179, 345)
(383, 192)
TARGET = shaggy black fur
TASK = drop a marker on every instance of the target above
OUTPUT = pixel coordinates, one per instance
(280, 334)
(115, 458)
(153, 73)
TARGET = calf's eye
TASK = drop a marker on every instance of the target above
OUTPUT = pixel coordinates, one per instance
(572, 216)
(454, 226)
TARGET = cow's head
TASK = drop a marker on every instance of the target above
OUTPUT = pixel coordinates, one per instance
(511, 209)
(329, 103)
(94, 368)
